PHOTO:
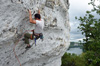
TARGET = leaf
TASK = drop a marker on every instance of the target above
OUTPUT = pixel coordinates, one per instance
(99, 6)
(75, 17)
(98, 12)
(88, 12)
(91, 16)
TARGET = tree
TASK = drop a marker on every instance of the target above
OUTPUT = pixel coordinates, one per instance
(72, 60)
(90, 27)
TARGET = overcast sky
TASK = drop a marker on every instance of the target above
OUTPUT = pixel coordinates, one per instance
(77, 8)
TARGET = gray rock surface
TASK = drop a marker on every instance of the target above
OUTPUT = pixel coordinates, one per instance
(14, 21)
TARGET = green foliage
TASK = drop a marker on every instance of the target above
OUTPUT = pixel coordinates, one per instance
(92, 58)
(90, 27)
(88, 12)
(72, 60)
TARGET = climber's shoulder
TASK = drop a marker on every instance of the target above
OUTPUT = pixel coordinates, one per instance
(33, 21)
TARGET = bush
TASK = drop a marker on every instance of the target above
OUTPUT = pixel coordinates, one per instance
(73, 60)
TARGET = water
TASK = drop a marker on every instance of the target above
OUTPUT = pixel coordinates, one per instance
(77, 51)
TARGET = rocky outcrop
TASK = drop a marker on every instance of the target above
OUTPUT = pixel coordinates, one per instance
(14, 20)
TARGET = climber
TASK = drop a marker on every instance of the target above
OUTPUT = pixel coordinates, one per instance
(38, 31)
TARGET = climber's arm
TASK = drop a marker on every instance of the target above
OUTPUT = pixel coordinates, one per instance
(30, 18)
(38, 11)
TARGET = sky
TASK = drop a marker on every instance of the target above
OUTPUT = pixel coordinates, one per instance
(77, 8)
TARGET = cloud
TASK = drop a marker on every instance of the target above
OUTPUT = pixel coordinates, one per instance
(77, 8)
(75, 34)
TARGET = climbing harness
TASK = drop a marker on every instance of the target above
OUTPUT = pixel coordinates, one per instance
(35, 38)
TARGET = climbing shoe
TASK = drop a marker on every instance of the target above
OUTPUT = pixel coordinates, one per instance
(27, 47)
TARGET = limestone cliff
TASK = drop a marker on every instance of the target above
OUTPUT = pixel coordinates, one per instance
(14, 21)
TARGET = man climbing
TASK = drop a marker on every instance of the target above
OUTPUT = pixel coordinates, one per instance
(37, 32)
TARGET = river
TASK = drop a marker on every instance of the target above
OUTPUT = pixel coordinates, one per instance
(77, 51)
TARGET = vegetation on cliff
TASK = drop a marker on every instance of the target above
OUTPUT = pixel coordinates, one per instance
(90, 28)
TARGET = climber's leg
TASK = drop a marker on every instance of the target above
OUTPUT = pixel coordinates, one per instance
(28, 36)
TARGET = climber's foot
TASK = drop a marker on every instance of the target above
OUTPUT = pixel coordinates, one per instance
(27, 47)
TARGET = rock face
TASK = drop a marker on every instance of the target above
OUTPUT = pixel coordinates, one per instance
(14, 21)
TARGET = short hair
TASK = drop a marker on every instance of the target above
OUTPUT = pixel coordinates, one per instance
(37, 16)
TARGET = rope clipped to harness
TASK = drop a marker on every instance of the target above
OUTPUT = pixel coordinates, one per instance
(40, 36)
(35, 41)
(37, 37)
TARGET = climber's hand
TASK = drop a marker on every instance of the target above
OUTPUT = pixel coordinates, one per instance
(29, 11)
(38, 11)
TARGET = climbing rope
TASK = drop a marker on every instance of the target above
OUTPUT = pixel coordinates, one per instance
(16, 45)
